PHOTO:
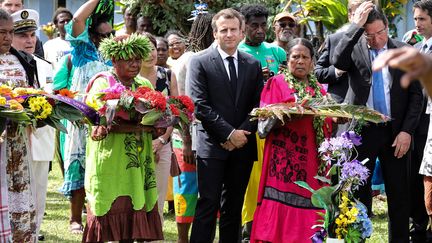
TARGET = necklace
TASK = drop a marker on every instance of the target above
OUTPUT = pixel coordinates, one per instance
(312, 89)
(304, 90)
(131, 87)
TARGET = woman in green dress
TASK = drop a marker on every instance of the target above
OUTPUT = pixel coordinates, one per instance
(120, 173)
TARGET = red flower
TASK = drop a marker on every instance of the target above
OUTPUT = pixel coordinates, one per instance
(111, 96)
(174, 110)
(187, 102)
(156, 99)
(143, 90)
(310, 90)
(322, 89)
(102, 110)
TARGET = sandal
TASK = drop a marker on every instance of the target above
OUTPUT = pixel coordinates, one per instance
(76, 228)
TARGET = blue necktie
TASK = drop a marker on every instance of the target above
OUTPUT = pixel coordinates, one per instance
(379, 99)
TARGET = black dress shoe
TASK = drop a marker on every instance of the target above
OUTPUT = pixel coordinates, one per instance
(41, 237)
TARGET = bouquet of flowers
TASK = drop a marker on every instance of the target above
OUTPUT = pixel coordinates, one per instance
(49, 30)
(28, 106)
(183, 108)
(144, 106)
(345, 217)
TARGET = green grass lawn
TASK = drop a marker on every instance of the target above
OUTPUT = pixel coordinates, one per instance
(55, 226)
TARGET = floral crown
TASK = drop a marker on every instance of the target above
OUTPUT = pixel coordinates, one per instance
(125, 47)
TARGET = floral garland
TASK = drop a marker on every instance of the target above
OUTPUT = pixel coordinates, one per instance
(304, 90)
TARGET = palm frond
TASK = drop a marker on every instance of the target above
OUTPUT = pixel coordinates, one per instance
(319, 107)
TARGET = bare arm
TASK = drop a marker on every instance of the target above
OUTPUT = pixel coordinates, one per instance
(81, 15)
(173, 85)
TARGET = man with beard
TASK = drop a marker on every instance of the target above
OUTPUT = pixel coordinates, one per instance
(285, 28)
(271, 56)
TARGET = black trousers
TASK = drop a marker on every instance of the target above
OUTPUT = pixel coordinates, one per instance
(377, 142)
(221, 185)
(418, 213)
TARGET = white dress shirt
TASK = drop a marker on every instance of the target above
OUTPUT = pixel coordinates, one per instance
(224, 55)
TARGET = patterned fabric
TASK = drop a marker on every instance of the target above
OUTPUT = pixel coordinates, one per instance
(290, 155)
(119, 165)
(185, 186)
(12, 72)
(163, 80)
(87, 62)
(426, 166)
(21, 206)
(5, 229)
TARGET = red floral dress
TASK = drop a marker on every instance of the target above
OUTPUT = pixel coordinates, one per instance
(285, 212)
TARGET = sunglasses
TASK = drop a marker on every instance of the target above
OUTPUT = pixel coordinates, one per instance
(106, 35)
(284, 25)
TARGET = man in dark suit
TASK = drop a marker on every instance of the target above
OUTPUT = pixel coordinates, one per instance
(225, 86)
(325, 72)
(420, 219)
(391, 141)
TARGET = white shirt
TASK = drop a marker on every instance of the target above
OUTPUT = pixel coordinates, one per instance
(55, 49)
(427, 42)
(42, 139)
(387, 85)
(224, 55)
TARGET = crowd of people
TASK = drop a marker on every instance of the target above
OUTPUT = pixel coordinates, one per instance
(218, 171)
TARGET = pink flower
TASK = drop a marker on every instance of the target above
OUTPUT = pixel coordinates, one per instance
(310, 90)
(116, 89)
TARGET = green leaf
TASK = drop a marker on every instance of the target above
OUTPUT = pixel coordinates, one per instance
(322, 197)
(55, 124)
(332, 171)
(304, 185)
(323, 179)
(151, 117)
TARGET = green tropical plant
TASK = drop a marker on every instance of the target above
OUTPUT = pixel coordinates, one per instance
(173, 14)
(393, 10)
(332, 14)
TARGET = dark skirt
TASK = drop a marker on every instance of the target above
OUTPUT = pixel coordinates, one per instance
(122, 222)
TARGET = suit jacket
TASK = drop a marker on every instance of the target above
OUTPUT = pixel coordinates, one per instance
(352, 55)
(325, 71)
(423, 126)
(218, 108)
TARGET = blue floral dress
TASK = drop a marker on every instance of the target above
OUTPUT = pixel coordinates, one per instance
(87, 62)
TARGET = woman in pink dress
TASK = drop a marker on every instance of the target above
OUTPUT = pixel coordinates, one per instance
(285, 212)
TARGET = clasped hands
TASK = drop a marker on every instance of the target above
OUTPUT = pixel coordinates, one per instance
(237, 140)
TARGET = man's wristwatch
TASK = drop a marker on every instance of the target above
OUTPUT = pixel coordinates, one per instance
(163, 141)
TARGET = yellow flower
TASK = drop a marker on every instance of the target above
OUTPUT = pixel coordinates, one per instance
(40, 106)
(2, 101)
(15, 105)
